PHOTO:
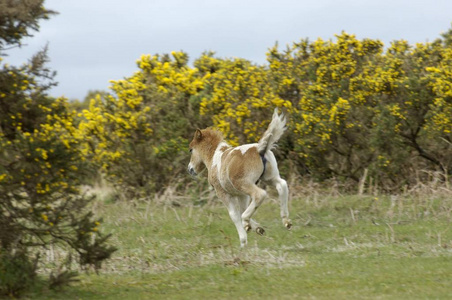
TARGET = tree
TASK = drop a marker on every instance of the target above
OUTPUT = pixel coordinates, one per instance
(41, 167)
(18, 19)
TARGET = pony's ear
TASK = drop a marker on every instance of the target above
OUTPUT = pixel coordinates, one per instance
(198, 134)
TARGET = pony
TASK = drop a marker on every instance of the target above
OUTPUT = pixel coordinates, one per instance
(234, 173)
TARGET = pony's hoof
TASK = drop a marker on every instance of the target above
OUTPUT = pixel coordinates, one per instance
(288, 224)
(260, 231)
(247, 228)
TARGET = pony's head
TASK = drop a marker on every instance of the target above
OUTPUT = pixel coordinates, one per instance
(202, 148)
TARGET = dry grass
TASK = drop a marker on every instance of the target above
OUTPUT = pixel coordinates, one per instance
(342, 246)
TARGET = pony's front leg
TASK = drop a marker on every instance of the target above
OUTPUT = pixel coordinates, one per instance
(235, 214)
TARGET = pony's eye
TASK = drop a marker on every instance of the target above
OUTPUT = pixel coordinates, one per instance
(191, 150)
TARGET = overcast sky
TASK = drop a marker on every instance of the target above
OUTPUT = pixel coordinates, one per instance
(92, 42)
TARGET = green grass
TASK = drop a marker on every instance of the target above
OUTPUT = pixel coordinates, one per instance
(341, 247)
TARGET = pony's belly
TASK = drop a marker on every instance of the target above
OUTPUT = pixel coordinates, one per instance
(228, 186)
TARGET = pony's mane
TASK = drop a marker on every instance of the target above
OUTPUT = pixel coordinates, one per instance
(215, 135)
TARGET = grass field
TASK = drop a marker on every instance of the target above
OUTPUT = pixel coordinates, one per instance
(340, 247)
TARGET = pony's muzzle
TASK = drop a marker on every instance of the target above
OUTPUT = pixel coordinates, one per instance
(191, 171)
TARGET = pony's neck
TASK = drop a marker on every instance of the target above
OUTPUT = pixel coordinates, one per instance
(214, 153)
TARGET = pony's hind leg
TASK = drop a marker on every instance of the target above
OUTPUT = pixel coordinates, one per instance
(244, 203)
(257, 196)
(273, 178)
(283, 194)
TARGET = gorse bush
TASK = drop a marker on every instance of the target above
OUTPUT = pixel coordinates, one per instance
(355, 108)
(238, 99)
(138, 136)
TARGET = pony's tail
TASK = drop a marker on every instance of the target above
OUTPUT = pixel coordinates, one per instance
(273, 133)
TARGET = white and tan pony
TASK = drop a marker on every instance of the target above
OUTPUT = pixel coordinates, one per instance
(235, 171)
